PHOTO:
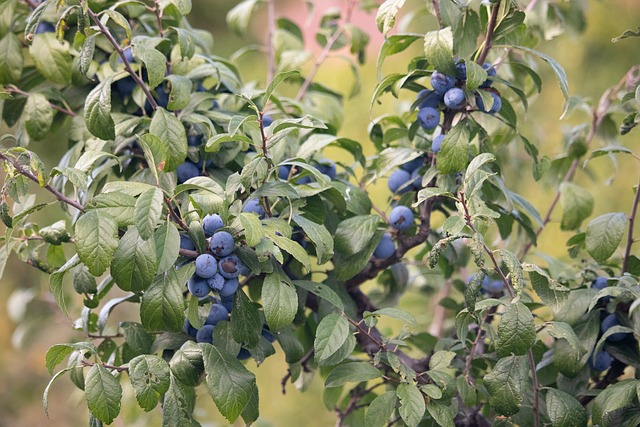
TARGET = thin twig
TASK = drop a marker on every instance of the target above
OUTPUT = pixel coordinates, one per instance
(14, 89)
(104, 365)
(22, 171)
(158, 12)
(632, 221)
(488, 40)
(436, 8)
(104, 30)
(303, 362)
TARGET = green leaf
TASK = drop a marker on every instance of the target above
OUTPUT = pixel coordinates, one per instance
(136, 338)
(279, 78)
(167, 243)
(512, 262)
(103, 393)
(505, 385)
(148, 211)
(290, 247)
(348, 266)
(454, 153)
(86, 54)
(516, 331)
(238, 18)
(96, 239)
(331, 333)
(381, 409)
(550, 292)
(253, 230)
(230, 384)
(117, 205)
(11, 61)
(171, 132)
(412, 404)
(442, 413)
(52, 58)
(45, 394)
(564, 410)
(280, 302)
(430, 192)
(154, 60)
(353, 372)
(342, 353)
(612, 399)
(186, 365)
(97, 111)
(245, 320)
(438, 50)
(180, 92)
(56, 354)
(396, 313)
(441, 360)
(150, 378)
(55, 282)
(576, 203)
(319, 235)
(38, 116)
(604, 234)
(134, 262)
(476, 75)
(386, 15)
(560, 330)
(321, 290)
(178, 404)
(162, 306)
(353, 234)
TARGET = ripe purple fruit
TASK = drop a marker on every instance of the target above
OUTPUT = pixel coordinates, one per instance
(601, 362)
(283, 171)
(186, 243)
(398, 180)
(327, 167)
(186, 171)
(254, 206)
(230, 267)
(441, 82)
(454, 98)
(206, 266)
(189, 329)
(429, 118)
(230, 287)
(194, 140)
(497, 103)
(492, 286)
(416, 179)
(221, 244)
(227, 302)
(461, 71)
(600, 283)
(198, 287)
(491, 72)
(266, 121)
(45, 27)
(205, 334)
(385, 248)
(412, 165)
(401, 218)
(217, 314)
(211, 223)
(429, 98)
(609, 322)
(437, 144)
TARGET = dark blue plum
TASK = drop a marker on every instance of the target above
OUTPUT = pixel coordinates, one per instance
(206, 266)
(230, 267)
(217, 314)
(162, 97)
(327, 167)
(227, 302)
(401, 218)
(304, 180)
(125, 86)
(497, 103)
(267, 120)
(385, 248)
(298, 237)
(428, 118)
(491, 72)
(398, 181)
(266, 333)
(211, 223)
(454, 98)
(243, 354)
(128, 54)
(600, 283)
(198, 287)
(189, 329)
(186, 243)
(221, 244)
(412, 165)
(216, 282)
(253, 206)
(601, 362)
(492, 286)
(186, 171)
(229, 289)
(194, 140)
(45, 27)
(416, 179)
(205, 334)
(283, 172)
(461, 71)
(429, 98)
(609, 322)
(441, 82)
(437, 143)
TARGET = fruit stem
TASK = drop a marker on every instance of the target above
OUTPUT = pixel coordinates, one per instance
(632, 220)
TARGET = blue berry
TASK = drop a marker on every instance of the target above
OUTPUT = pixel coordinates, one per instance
(609, 322)
(491, 72)
(412, 165)
(194, 140)
(211, 223)
(216, 282)
(198, 287)
(429, 118)
(189, 329)
(304, 180)
(266, 333)
(437, 144)
(227, 302)
(206, 266)
(45, 27)
(401, 218)
(602, 361)
(416, 179)
(243, 354)
(230, 287)
(327, 167)
(254, 206)
(600, 283)
(267, 120)
(221, 244)
(217, 314)
(283, 172)
(125, 86)
(186, 243)
(398, 181)
(485, 281)
(230, 267)
(385, 248)
(454, 98)
(205, 334)
(493, 286)
(186, 171)
(429, 98)
(461, 71)
(441, 82)
(497, 103)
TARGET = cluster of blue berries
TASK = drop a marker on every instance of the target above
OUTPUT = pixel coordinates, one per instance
(216, 272)
(449, 94)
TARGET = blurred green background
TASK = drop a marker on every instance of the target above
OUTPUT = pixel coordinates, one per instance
(592, 64)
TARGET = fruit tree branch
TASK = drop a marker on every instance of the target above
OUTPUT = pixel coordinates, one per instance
(488, 40)
(632, 221)
(15, 89)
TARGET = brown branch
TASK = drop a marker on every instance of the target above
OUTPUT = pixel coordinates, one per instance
(22, 171)
(14, 89)
(104, 30)
(158, 12)
(488, 40)
(104, 365)
(436, 9)
(305, 359)
(632, 221)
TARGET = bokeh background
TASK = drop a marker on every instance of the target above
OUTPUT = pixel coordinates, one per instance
(30, 322)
